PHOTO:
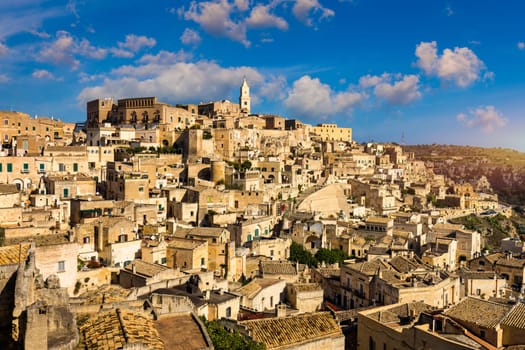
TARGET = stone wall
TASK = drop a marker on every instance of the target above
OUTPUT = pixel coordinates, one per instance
(59, 259)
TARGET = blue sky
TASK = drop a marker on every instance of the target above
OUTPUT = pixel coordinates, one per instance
(434, 71)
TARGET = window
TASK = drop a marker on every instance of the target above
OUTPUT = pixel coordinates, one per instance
(163, 261)
(75, 167)
(61, 167)
(25, 168)
(371, 344)
(1, 167)
(9, 167)
(478, 291)
(123, 238)
(41, 167)
(6, 122)
(141, 188)
(86, 240)
(61, 267)
(228, 311)
(203, 261)
(66, 192)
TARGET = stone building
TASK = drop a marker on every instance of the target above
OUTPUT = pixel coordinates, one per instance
(220, 249)
(53, 131)
(305, 297)
(501, 325)
(187, 254)
(262, 293)
(331, 132)
(402, 279)
(139, 273)
(412, 325)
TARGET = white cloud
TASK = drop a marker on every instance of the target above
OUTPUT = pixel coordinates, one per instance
(17, 17)
(135, 43)
(486, 118)
(72, 7)
(117, 52)
(274, 88)
(43, 74)
(242, 5)
(3, 49)
(65, 48)
(309, 98)
(400, 92)
(3, 78)
(85, 78)
(521, 45)
(368, 80)
(449, 11)
(396, 89)
(214, 17)
(190, 37)
(166, 57)
(260, 17)
(306, 10)
(41, 35)
(85, 49)
(460, 66)
(174, 82)
(426, 53)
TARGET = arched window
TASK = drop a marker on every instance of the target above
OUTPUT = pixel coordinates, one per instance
(257, 232)
(249, 238)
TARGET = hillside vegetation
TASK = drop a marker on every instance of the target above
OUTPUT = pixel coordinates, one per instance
(503, 167)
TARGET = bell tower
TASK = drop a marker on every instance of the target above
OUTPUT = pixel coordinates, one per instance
(244, 97)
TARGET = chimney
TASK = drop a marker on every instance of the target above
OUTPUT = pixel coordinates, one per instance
(280, 310)
(134, 268)
(207, 295)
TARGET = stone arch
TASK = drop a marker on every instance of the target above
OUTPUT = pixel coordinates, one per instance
(204, 174)
(19, 184)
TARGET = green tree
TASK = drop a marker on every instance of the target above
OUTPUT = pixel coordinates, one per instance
(331, 256)
(246, 165)
(301, 255)
(225, 340)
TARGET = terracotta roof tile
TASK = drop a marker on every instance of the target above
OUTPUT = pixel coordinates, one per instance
(145, 268)
(114, 329)
(278, 268)
(278, 332)
(13, 254)
(516, 317)
(484, 313)
(255, 286)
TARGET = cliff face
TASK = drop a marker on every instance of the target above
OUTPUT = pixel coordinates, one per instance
(503, 168)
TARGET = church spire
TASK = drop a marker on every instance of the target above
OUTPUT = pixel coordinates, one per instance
(244, 97)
